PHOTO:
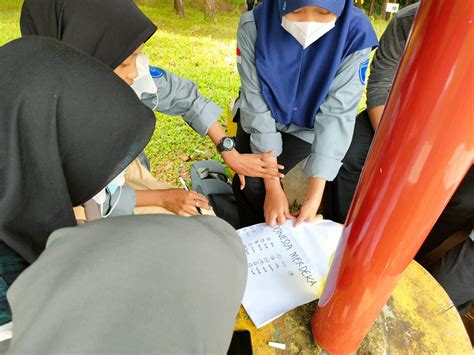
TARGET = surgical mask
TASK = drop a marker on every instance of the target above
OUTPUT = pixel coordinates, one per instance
(306, 33)
(144, 82)
(111, 188)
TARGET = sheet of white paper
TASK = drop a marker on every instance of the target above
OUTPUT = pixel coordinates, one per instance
(285, 266)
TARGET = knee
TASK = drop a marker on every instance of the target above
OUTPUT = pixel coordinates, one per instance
(461, 204)
(253, 187)
(354, 159)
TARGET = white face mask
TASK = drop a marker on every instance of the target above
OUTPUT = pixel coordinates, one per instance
(306, 33)
(144, 82)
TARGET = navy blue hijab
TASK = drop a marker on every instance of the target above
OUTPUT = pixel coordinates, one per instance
(295, 81)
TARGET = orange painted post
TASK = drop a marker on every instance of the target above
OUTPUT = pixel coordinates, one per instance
(423, 147)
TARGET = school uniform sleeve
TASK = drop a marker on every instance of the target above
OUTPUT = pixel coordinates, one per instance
(177, 96)
(387, 57)
(334, 124)
(255, 116)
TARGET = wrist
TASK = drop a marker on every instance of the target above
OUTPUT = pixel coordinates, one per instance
(272, 185)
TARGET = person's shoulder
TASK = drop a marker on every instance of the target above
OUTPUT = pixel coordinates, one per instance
(408, 12)
(247, 27)
(247, 18)
(361, 29)
(358, 18)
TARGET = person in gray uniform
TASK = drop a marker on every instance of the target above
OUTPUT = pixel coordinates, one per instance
(302, 68)
(132, 285)
(455, 270)
(127, 285)
(114, 32)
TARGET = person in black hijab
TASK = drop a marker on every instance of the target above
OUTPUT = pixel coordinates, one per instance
(114, 31)
(136, 284)
(108, 30)
(59, 144)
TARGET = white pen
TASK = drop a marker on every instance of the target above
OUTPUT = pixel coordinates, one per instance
(181, 180)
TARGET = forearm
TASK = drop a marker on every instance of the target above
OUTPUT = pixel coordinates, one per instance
(315, 189)
(272, 185)
(375, 114)
(216, 133)
(150, 198)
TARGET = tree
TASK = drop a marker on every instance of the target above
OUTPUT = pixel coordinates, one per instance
(359, 3)
(179, 7)
(210, 8)
(384, 9)
(372, 7)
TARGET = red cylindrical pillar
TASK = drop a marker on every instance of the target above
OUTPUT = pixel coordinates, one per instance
(423, 147)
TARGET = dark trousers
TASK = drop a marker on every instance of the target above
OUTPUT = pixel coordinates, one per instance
(457, 215)
(250, 200)
(455, 273)
(11, 266)
(342, 189)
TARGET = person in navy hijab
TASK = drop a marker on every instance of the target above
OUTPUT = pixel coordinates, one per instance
(302, 65)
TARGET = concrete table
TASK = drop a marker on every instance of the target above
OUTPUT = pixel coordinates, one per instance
(418, 318)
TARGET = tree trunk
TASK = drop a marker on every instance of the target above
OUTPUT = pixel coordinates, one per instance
(359, 4)
(384, 10)
(371, 8)
(409, 2)
(179, 7)
(210, 8)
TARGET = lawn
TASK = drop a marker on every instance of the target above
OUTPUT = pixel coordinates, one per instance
(199, 49)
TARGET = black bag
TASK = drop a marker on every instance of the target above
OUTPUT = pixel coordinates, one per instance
(208, 178)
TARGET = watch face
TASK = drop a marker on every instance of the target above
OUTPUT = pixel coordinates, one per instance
(228, 143)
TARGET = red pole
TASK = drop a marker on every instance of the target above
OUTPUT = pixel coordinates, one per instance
(423, 148)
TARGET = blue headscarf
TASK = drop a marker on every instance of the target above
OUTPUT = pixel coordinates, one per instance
(295, 81)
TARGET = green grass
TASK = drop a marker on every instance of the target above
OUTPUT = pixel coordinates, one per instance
(194, 47)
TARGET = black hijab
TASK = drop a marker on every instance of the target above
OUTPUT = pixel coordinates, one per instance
(109, 30)
(60, 144)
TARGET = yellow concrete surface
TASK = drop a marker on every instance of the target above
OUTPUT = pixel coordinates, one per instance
(419, 318)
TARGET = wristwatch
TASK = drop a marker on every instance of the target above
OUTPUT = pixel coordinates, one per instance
(226, 144)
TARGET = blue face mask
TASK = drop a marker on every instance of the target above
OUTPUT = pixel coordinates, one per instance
(111, 188)
(116, 183)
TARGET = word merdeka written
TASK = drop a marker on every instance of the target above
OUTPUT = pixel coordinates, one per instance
(295, 258)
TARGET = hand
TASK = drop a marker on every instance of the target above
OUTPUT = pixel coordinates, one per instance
(314, 195)
(183, 203)
(262, 165)
(276, 208)
(308, 213)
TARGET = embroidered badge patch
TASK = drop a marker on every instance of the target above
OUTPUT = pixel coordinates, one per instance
(239, 56)
(156, 72)
(363, 71)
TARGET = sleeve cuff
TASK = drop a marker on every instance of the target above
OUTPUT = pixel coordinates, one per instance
(263, 142)
(204, 119)
(321, 166)
(376, 99)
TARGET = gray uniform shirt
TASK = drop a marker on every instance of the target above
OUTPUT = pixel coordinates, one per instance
(334, 123)
(175, 96)
(387, 57)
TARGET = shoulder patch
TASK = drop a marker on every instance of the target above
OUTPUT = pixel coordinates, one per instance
(156, 72)
(363, 71)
